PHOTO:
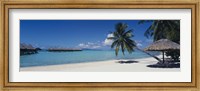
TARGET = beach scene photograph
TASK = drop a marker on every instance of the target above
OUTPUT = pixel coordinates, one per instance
(100, 46)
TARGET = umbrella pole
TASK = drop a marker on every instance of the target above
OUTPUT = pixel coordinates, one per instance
(163, 56)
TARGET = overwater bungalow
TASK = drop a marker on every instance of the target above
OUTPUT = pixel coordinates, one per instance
(63, 49)
(26, 49)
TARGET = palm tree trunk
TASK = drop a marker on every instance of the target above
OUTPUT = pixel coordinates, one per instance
(163, 56)
(149, 54)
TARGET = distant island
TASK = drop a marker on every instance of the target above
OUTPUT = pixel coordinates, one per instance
(63, 49)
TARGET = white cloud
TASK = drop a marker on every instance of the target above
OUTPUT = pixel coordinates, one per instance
(83, 45)
(98, 44)
(110, 35)
(89, 45)
(108, 42)
(139, 44)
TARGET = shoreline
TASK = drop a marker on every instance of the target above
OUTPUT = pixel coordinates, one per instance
(139, 65)
(87, 62)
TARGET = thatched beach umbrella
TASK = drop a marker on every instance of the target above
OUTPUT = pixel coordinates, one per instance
(25, 46)
(163, 45)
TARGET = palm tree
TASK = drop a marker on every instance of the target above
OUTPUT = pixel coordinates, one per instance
(164, 29)
(159, 29)
(122, 39)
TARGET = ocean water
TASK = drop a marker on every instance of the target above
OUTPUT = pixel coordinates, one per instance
(52, 58)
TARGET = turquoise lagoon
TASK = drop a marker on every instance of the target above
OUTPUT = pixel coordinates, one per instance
(43, 58)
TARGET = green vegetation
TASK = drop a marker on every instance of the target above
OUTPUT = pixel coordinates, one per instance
(165, 29)
(159, 29)
(122, 38)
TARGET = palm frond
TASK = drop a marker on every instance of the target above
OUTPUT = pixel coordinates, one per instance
(149, 32)
(122, 39)
(128, 34)
(129, 47)
(144, 21)
(121, 27)
(114, 44)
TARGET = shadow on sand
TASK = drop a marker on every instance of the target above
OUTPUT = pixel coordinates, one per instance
(166, 64)
(129, 61)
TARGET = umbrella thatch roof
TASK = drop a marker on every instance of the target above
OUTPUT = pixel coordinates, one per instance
(162, 45)
(26, 46)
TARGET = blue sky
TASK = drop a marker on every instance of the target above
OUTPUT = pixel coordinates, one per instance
(77, 33)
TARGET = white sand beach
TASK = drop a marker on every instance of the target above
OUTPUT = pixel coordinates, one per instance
(105, 66)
